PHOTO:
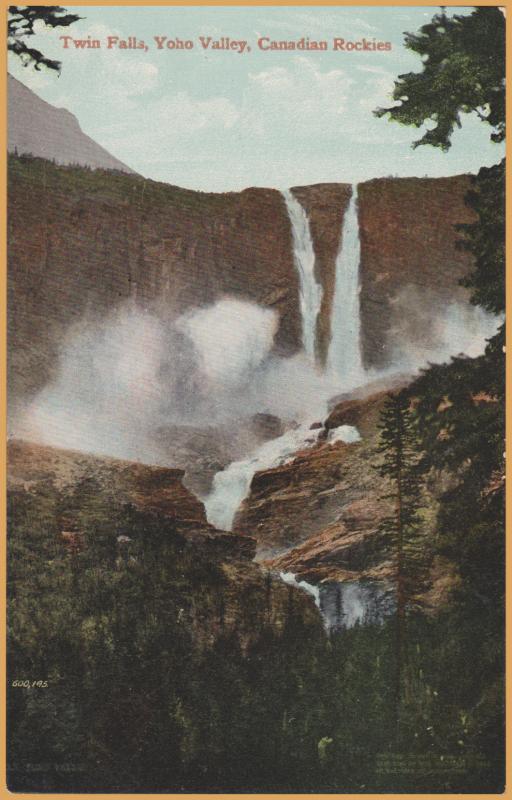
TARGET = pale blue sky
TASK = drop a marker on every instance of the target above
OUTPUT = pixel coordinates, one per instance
(223, 120)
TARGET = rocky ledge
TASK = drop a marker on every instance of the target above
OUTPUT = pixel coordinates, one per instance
(318, 517)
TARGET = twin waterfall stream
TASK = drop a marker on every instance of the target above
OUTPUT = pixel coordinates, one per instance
(345, 368)
(304, 257)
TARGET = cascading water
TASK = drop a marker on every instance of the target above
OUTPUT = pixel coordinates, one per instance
(343, 604)
(232, 485)
(304, 256)
(344, 357)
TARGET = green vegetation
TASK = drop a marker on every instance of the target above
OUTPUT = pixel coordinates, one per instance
(458, 418)
(139, 696)
(463, 72)
(408, 545)
(114, 188)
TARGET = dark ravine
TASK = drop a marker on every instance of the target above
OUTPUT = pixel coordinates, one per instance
(100, 238)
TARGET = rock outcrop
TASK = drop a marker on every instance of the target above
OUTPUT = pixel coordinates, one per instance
(305, 498)
(149, 488)
(318, 517)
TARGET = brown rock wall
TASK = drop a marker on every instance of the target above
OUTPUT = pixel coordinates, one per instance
(291, 504)
(408, 240)
(82, 241)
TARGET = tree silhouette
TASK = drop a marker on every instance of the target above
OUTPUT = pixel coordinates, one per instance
(398, 445)
(459, 408)
(21, 23)
(463, 72)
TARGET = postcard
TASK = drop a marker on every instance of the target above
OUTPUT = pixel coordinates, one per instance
(256, 399)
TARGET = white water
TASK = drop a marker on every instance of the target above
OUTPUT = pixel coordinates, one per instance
(344, 357)
(304, 256)
(289, 578)
(348, 603)
(232, 485)
(344, 433)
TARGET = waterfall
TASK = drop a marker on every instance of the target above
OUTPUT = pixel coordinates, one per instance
(344, 356)
(232, 485)
(344, 604)
(304, 257)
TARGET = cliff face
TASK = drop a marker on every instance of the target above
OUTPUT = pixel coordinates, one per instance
(87, 241)
(408, 242)
(327, 491)
(242, 598)
(82, 241)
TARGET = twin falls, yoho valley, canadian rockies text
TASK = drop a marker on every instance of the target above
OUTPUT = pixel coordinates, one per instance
(226, 43)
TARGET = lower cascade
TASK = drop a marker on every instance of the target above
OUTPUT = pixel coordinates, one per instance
(232, 485)
(348, 603)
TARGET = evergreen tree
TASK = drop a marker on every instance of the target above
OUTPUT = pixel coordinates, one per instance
(398, 446)
(21, 23)
(459, 406)
(463, 72)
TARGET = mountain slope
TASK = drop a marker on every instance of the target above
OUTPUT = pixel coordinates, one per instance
(38, 128)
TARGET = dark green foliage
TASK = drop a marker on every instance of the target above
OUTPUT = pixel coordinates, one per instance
(399, 449)
(459, 406)
(463, 72)
(461, 424)
(20, 24)
(461, 416)
(409, 547)
(138, 699)
(485, 238)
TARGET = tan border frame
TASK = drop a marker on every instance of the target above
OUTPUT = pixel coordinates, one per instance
(4, 793)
